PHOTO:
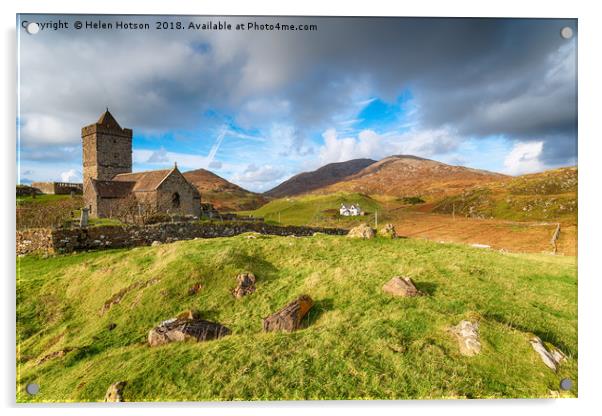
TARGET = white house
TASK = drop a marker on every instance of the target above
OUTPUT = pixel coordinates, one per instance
(350, 210)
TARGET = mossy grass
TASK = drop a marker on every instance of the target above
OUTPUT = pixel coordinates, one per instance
(356, 343)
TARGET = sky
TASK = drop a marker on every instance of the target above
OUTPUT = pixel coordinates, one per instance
(259, 106)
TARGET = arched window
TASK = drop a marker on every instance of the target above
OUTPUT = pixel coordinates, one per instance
(175, 200)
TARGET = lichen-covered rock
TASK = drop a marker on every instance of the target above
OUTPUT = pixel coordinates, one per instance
(467, 334)
(401, 286)
(551, 357)
(156, 243)
(114, 392)
(186, 326)
(361, 231)
(245, 286)
(388, 231)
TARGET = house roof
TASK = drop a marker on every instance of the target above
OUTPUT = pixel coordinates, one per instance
(112, 189)
(144, 181)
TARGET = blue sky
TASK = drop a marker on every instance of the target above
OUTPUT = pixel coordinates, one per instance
(259, 107)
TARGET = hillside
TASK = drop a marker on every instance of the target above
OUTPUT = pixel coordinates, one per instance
(313, 209)
(545, 196)
(224, 195)
(412, 176)
(357, 342)
(324, 176)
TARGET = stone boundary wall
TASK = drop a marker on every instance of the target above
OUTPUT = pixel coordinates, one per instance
(58, 188)
(111, 236)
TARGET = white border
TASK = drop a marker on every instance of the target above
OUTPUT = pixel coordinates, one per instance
(590, 189)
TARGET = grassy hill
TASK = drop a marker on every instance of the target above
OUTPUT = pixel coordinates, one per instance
(224, 195)
(326, 175)
(322, 210)
(356, 343)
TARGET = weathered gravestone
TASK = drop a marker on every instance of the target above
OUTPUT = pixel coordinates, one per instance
(289, 318)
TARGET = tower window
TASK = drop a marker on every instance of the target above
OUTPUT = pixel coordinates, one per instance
(175, 200)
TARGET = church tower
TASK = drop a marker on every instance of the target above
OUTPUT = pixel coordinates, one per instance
(107, 149)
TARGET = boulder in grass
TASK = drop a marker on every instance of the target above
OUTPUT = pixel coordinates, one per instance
(289, 318)
(388, 231)
(362, 231)
(467, 334)
(551, 357)
(245, 286)
(401, 286)
(186, 326)
(114, 392)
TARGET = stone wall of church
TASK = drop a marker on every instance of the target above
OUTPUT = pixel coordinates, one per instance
(177, 196)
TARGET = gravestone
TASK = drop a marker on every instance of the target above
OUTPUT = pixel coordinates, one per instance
(83, 220)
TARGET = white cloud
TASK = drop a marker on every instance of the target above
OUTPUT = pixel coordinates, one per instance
(369, 144)
(47, 129)
(71, 175)
(524, 158)
(259, 178)
(158, 156)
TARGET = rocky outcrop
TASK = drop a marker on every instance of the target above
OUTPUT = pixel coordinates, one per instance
(388, 231)
(467, 334)
(185, 326)
(361, 231)
(245, 286)
(401, 286)
(114, 392)
(551, 357)
(289, 318)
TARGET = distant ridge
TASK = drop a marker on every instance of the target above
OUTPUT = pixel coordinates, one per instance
(403, 175)
(324, 176)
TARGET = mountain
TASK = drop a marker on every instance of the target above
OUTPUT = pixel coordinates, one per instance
(322, 177)
(404, 175)
(224, 195)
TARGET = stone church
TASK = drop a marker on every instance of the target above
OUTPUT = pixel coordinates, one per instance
(110, 186)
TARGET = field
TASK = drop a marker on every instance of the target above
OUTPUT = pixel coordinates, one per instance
(419, 221)
(357, 342)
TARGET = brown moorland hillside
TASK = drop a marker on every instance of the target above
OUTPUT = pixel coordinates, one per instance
(405, 175)
(545, 196)
(224, 195)
(324, 176)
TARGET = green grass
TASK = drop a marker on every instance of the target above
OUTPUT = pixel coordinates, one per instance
(42, 199)
(319, 210)
(357, 342)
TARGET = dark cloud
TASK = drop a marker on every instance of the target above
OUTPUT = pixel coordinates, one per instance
(480, 77)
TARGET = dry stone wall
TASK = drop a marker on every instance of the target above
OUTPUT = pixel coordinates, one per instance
(76, 239)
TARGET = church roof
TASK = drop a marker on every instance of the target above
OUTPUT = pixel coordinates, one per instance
(112, 189)
(144, 181)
